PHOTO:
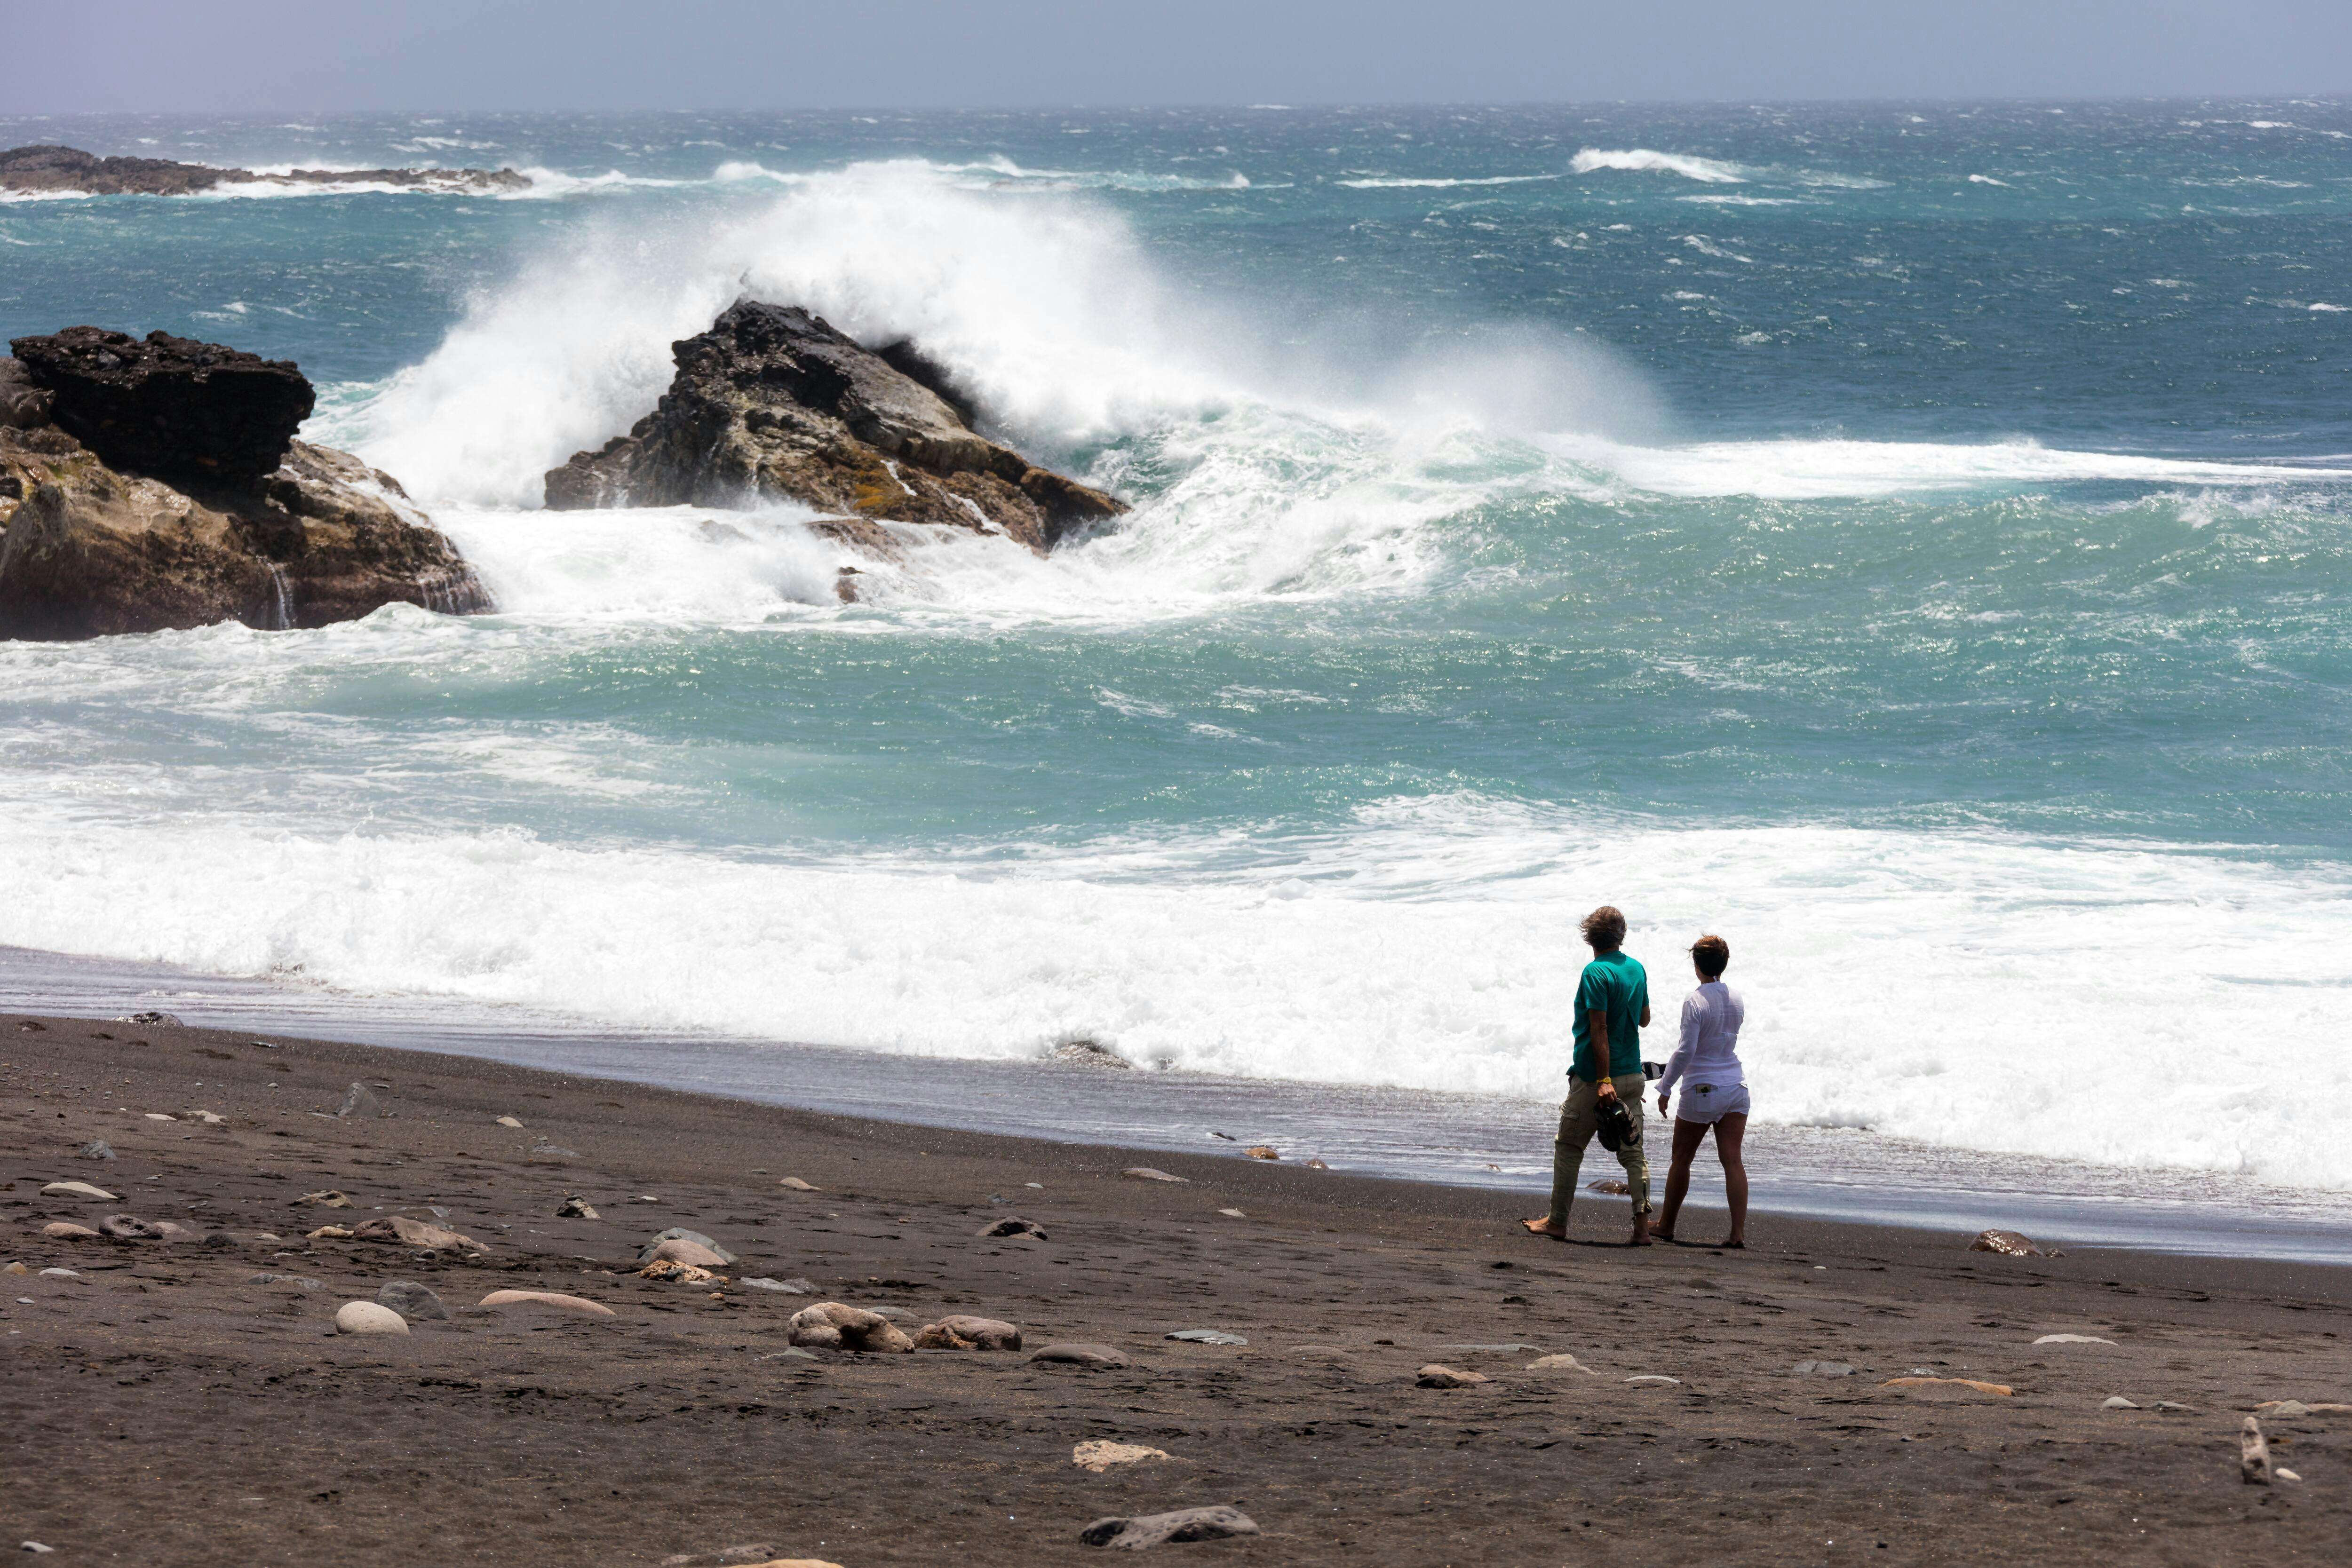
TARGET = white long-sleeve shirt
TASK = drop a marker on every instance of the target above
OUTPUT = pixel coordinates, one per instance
(1709, 1052)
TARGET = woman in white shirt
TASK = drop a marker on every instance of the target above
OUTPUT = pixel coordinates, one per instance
(1715, 1089)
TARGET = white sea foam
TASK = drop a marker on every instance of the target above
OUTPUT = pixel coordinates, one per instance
(1961, 989)
(1642, 161)
(1402, 184)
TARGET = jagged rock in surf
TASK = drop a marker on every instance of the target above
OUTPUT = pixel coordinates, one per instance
(772, 403)
(90, 547)
(48, 170)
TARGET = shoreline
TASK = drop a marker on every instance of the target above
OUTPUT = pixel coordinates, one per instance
(679, 1424)
(1479, 1141)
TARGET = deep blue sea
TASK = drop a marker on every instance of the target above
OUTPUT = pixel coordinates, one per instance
(1910, 541)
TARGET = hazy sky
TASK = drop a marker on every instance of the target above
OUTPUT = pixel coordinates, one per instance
(265, 55)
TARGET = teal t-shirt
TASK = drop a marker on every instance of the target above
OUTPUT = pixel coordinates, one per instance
(1613, 985)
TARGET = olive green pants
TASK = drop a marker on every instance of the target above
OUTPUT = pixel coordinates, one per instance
(1579, 1120)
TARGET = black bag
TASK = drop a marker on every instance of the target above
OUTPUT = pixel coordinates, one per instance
(1616, 1124)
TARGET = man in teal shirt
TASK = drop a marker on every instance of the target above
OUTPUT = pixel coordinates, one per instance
(1612, 1004)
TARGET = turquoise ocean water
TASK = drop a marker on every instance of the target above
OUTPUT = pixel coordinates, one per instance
(1911, 541)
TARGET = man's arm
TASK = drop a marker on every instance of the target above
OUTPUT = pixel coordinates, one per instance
(1596, 1024)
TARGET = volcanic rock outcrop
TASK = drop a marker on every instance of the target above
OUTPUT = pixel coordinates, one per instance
(46, 169)
(156, 484)
(774, 403)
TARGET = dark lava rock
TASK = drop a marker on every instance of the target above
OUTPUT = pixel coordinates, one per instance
(98, 1149)
(774, 403)
(2010, 1244)
(412, 1300)
(1156, 1529)
(1014, 1226)
(173, 408)
(49, 168)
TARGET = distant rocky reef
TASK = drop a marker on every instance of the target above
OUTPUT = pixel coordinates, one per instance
(156, 484)
(48, 170)
(772, 403)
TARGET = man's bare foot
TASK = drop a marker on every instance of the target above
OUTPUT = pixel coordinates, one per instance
(1733, 1244)
(1545, 1227)
(1641, 1232)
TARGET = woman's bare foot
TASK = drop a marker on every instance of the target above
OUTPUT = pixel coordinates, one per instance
(1544, 1227)
(1666, 1235)
(1734, 1243)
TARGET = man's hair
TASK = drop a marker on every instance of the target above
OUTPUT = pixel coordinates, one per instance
(1711, 954)
(1604, 928)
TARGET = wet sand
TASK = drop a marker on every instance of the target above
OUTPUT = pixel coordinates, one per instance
(160, 1406)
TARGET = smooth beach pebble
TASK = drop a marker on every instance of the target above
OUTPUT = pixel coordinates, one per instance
(1436, 1376)
(1146, 1173)
(798, 1186)
(1081, 1354)
(2117, 1402)
(1821, 1369)
(79, 1190)
(555, 1299)
(59, 1275)
(1951, 1384)
(66, 1230)
(508, 1122)
(2071, 1339)
(160, 1116)
(415, 1302)
(1233, 1214)
(1560, 1364)
(368, 1317)
(1656, 1380)
(1206, 1336)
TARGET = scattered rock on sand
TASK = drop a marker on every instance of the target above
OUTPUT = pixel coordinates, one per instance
(2010, 1244)
(507, 1122)
(1317, 1165)
(2253, 1455)
(368, 1317)
(785, 1287)
(154, 1020)
(960, 1331)
(1492, 1349)
(412, 1300)
(59, 1275)
(678, 1250)
(1080, 1354)
(79, 1189)
(1609, 1184)
(1654, 1380)
(1821, 1369)
(576, 1208)
(329, 1233)
(360, 1101)
(1560, 1364)
(798, 1186)
(160, 1116)
(1233, 1214)
(555, 1300)
(15, 1267)
(298, 1281)
(99, 1149)
(761, 1555)
(1436, 1376)
(129, 1227)
(670, 1273)
(1101, 1455)
(1145, 1173)
(1262, 1152)
(407, 1232)
(1185, 1524)
(1950, 1385)
(652, 1249)
(2116, 1402)
(1012, 1226)
(64, 1231)
(2071, 1339)
(1206, 1336)
(330, 1199)
(829, 1325)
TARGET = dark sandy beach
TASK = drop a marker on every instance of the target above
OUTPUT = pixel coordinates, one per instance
(160, 1406)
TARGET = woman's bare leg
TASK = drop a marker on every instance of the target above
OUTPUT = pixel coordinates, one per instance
(1728, 1132)
(1688, 1136)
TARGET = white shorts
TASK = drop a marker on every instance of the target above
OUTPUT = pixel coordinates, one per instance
(1704, 1102)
